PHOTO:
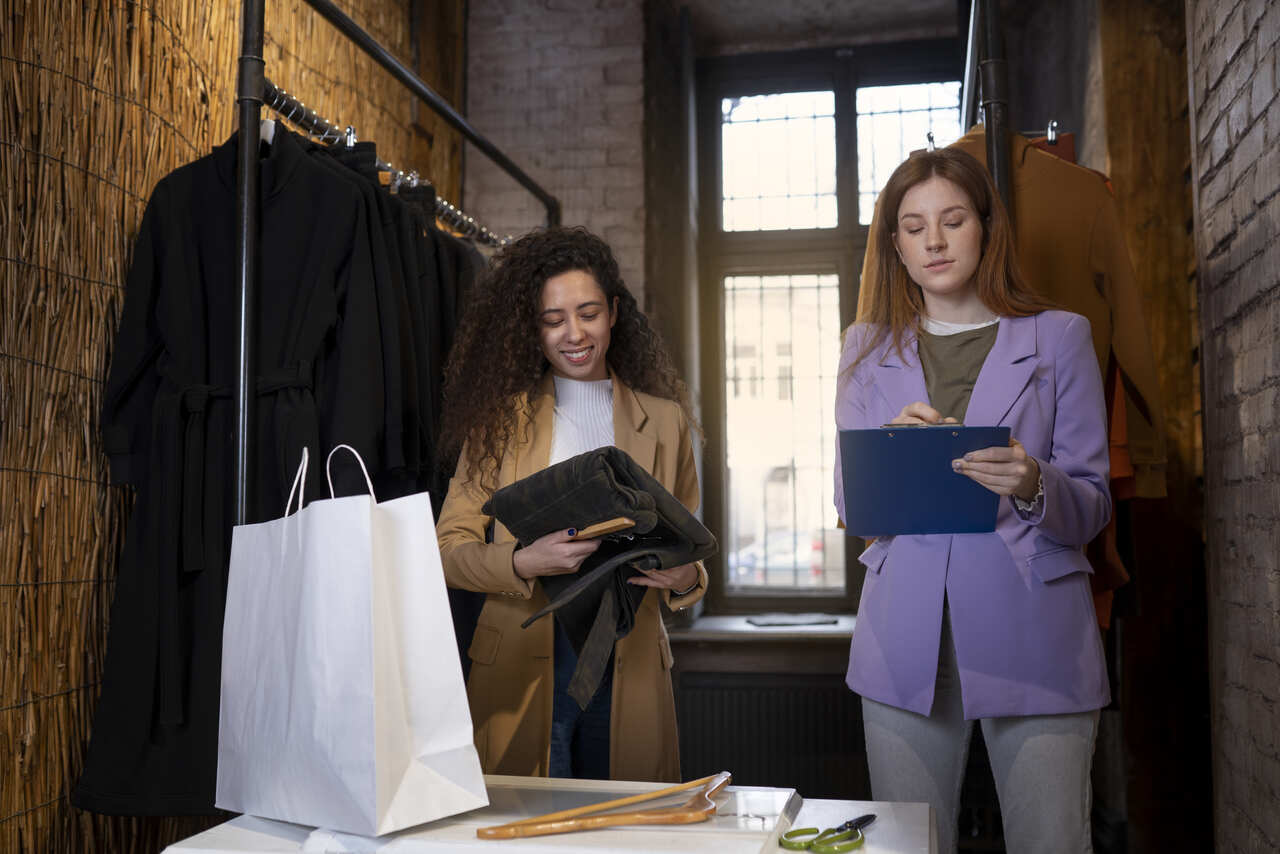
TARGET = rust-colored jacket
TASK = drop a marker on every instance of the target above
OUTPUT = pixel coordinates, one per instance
(1071, 250)
(511, 683)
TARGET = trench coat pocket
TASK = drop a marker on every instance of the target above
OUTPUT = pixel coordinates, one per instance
(1052, 564)
(873, 556)
(484, 645)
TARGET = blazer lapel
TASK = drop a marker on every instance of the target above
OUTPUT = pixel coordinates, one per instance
(536, 455)
(900, 382)
(632, 430)
(1009, 366)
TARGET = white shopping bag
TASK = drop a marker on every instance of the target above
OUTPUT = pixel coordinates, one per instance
(343, 704)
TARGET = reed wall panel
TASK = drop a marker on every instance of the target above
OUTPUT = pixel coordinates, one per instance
(99, 99)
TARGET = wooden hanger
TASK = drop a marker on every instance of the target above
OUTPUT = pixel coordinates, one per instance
(700, 807)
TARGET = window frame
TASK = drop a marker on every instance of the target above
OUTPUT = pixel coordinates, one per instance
(836, 250)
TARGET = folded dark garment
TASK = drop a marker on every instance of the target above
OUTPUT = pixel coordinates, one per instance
(596, 605)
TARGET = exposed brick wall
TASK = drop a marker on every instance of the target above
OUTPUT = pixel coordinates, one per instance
(558, 85)
(1236, 180)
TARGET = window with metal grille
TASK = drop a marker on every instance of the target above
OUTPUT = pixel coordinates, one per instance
(793, 149)
(779, 161)
(894, 121)
(781, 435)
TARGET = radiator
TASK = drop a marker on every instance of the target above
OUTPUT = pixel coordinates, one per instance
(769, 729)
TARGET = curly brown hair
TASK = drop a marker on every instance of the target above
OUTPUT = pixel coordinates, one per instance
(497, 362)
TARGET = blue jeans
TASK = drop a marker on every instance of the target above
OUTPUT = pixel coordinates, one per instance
(579, 737)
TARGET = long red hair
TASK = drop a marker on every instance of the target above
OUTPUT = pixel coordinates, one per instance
(893, 302)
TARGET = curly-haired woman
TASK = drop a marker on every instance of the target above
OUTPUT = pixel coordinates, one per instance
(554, 358)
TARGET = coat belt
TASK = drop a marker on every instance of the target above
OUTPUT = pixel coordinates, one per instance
(192, 521)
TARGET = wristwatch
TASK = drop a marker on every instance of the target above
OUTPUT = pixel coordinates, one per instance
(692, 587)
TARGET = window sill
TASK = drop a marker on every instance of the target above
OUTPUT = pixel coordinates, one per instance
(725, 644)
(736, 628)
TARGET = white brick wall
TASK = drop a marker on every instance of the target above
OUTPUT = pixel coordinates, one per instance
(558, 85)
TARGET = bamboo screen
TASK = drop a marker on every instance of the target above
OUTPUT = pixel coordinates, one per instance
(98, 100)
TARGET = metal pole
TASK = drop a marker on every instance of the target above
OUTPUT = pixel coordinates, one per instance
(414, 83)
(969, 89)
(995, 101)
(249, 101)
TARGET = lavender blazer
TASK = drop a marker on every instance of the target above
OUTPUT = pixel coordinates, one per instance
(1027, 640)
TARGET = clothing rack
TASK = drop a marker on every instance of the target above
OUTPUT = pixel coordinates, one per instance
(251, 90)
(296, 113)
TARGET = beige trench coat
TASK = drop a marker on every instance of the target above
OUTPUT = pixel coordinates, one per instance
(511, 683)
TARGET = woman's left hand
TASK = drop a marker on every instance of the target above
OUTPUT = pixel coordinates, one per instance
(1004, 471)
(676, 578)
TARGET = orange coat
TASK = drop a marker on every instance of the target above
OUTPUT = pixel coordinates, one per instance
(511, 683)
(1071, 250)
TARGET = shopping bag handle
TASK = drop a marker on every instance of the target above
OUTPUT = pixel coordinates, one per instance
(328, 473)
(299, 482)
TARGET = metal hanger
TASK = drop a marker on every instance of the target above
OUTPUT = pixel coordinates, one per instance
(296, 113)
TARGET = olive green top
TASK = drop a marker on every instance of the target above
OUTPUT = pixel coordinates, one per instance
(951, 364)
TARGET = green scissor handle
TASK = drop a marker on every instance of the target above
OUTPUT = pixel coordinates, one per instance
(831, 841)
(799, 839)
(837, 843)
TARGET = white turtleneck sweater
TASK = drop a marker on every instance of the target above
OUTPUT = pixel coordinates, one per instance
(583, 417)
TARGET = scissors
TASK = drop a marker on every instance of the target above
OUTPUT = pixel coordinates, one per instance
(833, 840)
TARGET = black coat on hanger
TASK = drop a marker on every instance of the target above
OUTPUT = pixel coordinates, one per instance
(358, 165)
(169, 424)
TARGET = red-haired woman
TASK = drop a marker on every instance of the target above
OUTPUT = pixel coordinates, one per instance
(554, 358)
(995, 627)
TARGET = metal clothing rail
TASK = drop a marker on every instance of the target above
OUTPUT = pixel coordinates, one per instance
(300, 115)
(985, 68)
(969, 88)
(248, 196)
(415, 84)
(250, 90)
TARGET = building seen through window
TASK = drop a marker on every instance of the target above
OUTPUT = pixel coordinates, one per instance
(784, 331)
(778, 173)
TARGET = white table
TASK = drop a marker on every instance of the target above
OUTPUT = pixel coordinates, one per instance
(748, 820)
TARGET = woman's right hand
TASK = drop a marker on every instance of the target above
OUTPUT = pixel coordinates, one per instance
(921, 413)
(553, 554)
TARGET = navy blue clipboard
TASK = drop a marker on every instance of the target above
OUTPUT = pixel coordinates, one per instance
(898, 480)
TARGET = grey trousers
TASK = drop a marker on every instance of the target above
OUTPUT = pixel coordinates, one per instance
(1040, 764)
